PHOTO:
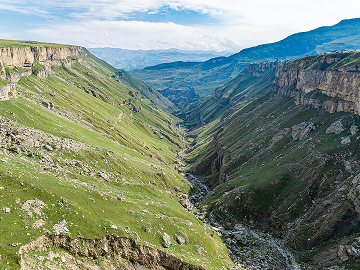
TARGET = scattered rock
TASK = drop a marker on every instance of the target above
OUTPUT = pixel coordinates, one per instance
(336, 128)
(166, 240)
(354, 129)
(342, 253)
(48, 147)
(181, 241)
(345, 140)
(33, 206)
(351, 251)
(48, 105)
(60, 227)
(37, 224)
(302, 130)
(185, 203)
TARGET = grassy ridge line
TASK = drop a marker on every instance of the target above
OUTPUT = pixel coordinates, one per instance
(22, 43)
(137, 195)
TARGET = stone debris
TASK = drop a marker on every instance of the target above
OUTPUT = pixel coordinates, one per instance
(48, 105)
(33, 206)
(181, 241)
(336, 128)
(345, 140)
(185, 202)
(302, 130)
(354, 129)
(60, 227)
(166, 240)
(37, 224)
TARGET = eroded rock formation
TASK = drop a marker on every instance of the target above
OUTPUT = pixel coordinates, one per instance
(115, 253)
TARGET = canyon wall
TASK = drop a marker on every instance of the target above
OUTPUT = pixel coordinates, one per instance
(302, 82)
(27, 58)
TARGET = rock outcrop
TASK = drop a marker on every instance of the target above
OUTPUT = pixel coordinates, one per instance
(111, 249)
(311, 75)
(26, 58)
(302, 130)
(7, 92)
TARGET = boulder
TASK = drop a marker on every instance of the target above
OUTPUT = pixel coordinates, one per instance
(342, 253)
(166, 240)
(336, 128)
(302, 130)
(345, 140)
(181, 241)
(354, 129)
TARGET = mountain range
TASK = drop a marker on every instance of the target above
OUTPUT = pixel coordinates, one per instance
(138, 59)
(174, 79)
(98, 170)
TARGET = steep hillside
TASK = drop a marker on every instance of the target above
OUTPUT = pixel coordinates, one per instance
(287, 162)
(236, 92)
(84, 154)
(204, 77)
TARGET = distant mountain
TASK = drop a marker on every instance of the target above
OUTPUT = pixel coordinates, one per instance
(138, 59)
(204, 77)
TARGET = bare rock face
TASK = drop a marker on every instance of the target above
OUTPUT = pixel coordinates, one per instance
(26, 56)
(336, 128)
(342, 83)
(354, 129)
(8, 91)
(166, 240)
(302, 130)
(111, 249)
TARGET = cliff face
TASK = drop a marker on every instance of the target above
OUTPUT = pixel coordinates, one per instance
(26, 58)
(112, 251)
(324, 75)
(7, 92)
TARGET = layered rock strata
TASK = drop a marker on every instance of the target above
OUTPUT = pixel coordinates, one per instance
(26, 58)
(342, 83)
(111, 249)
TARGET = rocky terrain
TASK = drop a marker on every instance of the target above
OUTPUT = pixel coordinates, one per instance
(95, 174)
(285, 161)
(88, 152)
(109, 252)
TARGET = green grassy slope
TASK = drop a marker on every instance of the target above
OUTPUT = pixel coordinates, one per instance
(238, 91)
(204, 77)
(299, 190)
(95, 160)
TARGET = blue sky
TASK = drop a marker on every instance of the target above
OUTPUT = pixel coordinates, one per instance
(221, 25)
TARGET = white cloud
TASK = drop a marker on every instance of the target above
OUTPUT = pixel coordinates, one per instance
(239, 23)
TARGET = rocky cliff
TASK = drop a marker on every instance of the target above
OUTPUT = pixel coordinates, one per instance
(16, 62)
(333, 75)
(26, 56)
(109, 252)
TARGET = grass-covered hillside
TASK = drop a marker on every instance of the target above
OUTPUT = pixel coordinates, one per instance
(239, 91)
(283, 168)
(86, 153)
